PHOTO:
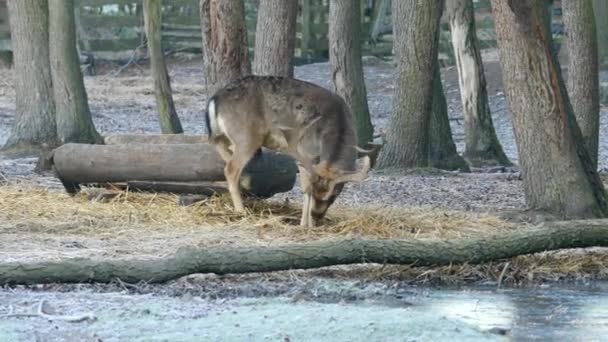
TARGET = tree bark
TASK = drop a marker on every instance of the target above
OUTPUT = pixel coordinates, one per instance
(275, 38)
(34, 123)
(583, 71)
(416, 25)
(76, 164)
(443, 154)
(73, 116)
(600, 9)
(225, 47)
(169, 121)
(225, 260)
(558, 171)
(346, 65)
(481, 144)
(118, 139)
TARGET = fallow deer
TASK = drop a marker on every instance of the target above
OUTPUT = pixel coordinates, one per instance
(298, 118)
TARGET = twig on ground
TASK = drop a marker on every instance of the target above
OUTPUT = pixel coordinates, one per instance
(502, 274)
(40, 313)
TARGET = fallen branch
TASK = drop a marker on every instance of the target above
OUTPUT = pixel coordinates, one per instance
(223, 260)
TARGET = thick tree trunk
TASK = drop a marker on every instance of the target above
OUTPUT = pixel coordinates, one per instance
(169, 121)
(481, 144)
(35, 109)
(225, 47)
(558, 172)
(73, 117)
(600, 9)
(583, 71)
(416, 41)
(346, 66)
(76, 164)
(443, 154)
(224, 260)
(275, 38)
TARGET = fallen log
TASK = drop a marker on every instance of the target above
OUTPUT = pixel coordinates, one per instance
(223, 260)
(124, 139)
(76, 164)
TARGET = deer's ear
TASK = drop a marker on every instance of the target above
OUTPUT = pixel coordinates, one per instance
(354, 176)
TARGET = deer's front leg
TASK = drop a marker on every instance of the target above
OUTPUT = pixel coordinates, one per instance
(306, 185)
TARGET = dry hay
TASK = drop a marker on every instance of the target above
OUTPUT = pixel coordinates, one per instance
(92, 213)
(33, 211)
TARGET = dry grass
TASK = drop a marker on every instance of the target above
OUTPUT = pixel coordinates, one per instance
(86, 214)
(30, 212)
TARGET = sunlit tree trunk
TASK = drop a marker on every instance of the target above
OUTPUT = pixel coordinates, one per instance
(275, 37)
(558, 172)
(224, 42)
(169, 121)
(346, 66)
(583, 71)
(74, 122)
(481, 144)
(416, 25)
(34, 123)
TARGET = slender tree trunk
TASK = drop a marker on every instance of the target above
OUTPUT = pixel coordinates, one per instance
(74, 122)
(34, 123)
(347, 68)
(583, 71)
(481, 144)
(169, 121)
(443, 154)
(416, 23)
(600, 9)
(558, 172)
(224, 42)
(275, 37)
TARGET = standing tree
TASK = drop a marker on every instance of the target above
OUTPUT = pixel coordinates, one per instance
(34, 124)
(481, 144)
(224, 42)
(600, 8)
(345, 60)
(442, 150)
(415, 23)
(583, 72)
(73, 117)
(275, 37)
(557, 169)
(169, 121)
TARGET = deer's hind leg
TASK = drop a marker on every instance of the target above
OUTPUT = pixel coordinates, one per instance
(244, 150)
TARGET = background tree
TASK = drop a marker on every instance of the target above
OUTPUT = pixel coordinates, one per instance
(34, 123)
(442, 150)
(481, 144)
(415, 25)
(275, 37)
(600, 8)
(169, 121)
(224, 42)
(73, 116)
(345, 59)
(557, 169)
(583, 71)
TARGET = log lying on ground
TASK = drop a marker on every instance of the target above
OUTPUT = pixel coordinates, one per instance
(223, 260)
(123, 139)
(76, 164)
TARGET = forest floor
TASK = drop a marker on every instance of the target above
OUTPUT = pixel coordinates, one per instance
(367, 301)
